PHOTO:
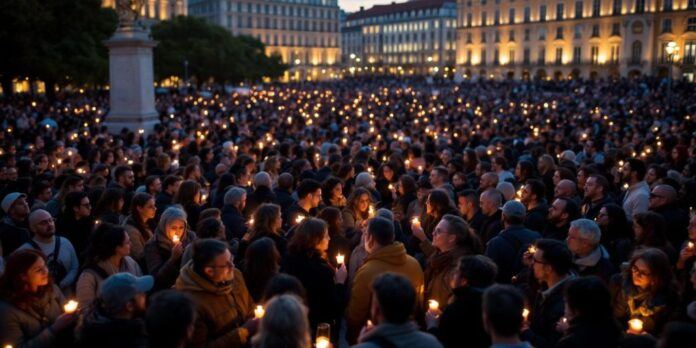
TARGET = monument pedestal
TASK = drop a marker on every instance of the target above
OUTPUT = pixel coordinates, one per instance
(131, 91)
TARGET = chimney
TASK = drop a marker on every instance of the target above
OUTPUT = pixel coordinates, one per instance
(362, 8)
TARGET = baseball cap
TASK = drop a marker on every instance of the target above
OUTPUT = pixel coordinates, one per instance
(10, 199)
(514, 209)
(120, 288)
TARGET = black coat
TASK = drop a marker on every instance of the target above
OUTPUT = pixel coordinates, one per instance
(590, 210)
(545, 313)
(602, 334)
(261, 195)
(676, 223)
(77, 232)
(12, 235)
(325, 299)
(163, 200)
(461, 324)
(491, 226)
(234, 221)
(283, 198)
(506, 250)
(536, 217)
(100, 331)
(554, 232)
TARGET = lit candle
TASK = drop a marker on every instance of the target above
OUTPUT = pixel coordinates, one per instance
(635, 326)
(525, 313)
(433, 305)
(371, 211)
(369, 323)
(564, 320)
(690, 245)
(175, 239)
(70, 307)
(259, 312)
(97, 222)
(532, 249)
(340, 258)
(251, 222)
(391, 187)
(323, 342)
(299, 219)
(415, 221)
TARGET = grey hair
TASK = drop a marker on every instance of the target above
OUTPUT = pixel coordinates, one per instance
(506, 189)
(588, 230)
(233, 196)
(364, 179)
(262, 179)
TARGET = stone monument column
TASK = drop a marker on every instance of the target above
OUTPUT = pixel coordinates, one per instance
(132, 91)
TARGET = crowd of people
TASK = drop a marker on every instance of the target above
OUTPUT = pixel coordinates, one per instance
(367, 212)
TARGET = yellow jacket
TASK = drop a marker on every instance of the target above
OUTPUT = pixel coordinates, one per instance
(391, 258)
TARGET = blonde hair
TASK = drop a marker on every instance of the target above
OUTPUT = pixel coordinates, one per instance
(284, 324)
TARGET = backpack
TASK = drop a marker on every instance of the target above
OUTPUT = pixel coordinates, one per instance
(55, 268)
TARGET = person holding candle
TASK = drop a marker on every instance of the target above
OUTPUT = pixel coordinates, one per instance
(308, 199)
(460, 324)
(261, 194)
(164, 251)
(687, 255)
(589, 313)
(383, 255)
(225, 311)
(385, 185)
(646, 290)
(116, 320)
(31, 306)
(284, 324)
(357, 210)
(502, 316)
(338, 244)
(268, 222)
(137, 224)
(393, 300)
(452, 239)
(107, 254)
(308, 261)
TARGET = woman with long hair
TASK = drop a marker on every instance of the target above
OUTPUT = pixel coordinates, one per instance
(338, 244)
(143, 209)
(649, 232)
(437, 205)
(332, 192)
(616, 232)
(31, 306)
(76, 222)
(267, 222)
(647, 290)
(283, 325)
(308, 261)
(357, 210)
(110, 205)
(107, 254)
(261, 263)
(164, 251)
(386, 185)
(189, 197)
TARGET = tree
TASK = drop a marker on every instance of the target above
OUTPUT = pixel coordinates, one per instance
(57, 41)
(211, 51)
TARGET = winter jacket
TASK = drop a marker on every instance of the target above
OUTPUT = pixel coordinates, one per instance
(222, 309)
(28, 325)
(390, 258)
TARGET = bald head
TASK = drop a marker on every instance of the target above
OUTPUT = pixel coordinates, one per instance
(662, 195)
(41, 223)
(565, 189)
(490, 201)
(489, 181)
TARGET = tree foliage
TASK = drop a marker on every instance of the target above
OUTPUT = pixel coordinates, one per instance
(211, 51)
(57, 41)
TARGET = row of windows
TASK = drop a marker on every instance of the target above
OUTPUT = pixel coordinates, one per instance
(542, 33)
(297, 40)
(281, 24)
(281, 10)
(541, 57)
(542, 15)
(445, 11)
(667, 5)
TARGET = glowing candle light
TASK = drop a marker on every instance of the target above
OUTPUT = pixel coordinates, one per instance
(635, 326)
(525, 313)
(690, 245)
(371, 211)
(70, 307)
(299, 219)
(532, 249)
(340, 258)
(433, 305)
(323, 342)
(175, 239)
(415, 221)
(391, 187)
(251, 222)
(259, 312)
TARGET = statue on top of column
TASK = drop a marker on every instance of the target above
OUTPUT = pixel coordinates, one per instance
(128, 12)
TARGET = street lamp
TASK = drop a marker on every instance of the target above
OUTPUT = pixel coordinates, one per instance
(672, 52)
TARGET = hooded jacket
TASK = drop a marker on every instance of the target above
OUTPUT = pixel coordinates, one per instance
(391, 258)
(158, 250)
(222, 309)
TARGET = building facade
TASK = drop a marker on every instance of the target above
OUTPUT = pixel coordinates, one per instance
(415, 37)
(157, 9)
(575, 38)
(305, 33)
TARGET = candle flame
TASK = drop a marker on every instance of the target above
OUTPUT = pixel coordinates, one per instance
(70, 307)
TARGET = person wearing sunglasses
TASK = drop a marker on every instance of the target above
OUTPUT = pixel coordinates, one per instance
(646, 290)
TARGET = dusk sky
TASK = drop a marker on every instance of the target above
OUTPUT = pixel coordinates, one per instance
(354, 5)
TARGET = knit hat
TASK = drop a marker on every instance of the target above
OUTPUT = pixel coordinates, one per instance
(9, 200)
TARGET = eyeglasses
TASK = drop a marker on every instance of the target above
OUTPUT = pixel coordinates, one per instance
(638, 271)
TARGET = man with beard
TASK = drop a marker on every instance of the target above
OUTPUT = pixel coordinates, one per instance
(533, 198)
(561, 212)
(492, 224)
(116, 318)
(637, 196)
(596, 196)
